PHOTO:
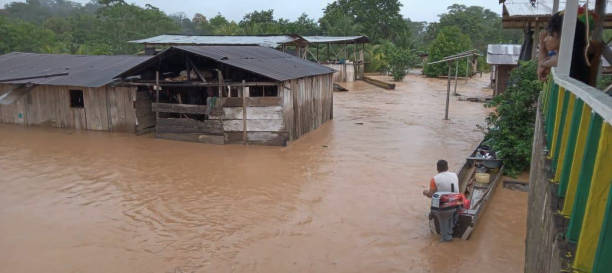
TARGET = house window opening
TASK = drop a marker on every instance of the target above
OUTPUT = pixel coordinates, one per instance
(76, 99)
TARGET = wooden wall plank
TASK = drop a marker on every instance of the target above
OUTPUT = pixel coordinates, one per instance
(179, 108)
(184, 125)
(269, 112)
(258, 138)
(269, 125)
(145, 118)
(253, 102)
(200, 138)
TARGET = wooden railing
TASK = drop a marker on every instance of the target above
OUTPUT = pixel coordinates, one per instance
(578, 133)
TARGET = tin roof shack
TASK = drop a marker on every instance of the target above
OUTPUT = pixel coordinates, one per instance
(71, 91)
(345, 54)
(234, 94)
(503, 58)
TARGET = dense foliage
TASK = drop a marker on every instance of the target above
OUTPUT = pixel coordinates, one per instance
(450, 40)
(106, 26)
(511, 125)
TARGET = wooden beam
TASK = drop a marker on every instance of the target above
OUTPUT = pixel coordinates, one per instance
(244, 113)
(456, 74)
(379, 83)
(186, 126)
(197, 84)
(253, 101)
(448, 86)
(179, 108)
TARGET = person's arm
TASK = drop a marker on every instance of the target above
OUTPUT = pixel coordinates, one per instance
(432, 189)
(544, 61)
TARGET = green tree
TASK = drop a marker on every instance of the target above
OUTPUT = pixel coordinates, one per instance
(450, 41)
(378, 19)
(260, 22)
(483, 26)
(22, 36)
(119, 23)
(304, 25)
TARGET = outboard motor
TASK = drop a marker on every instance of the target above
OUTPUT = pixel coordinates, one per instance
(444, 201)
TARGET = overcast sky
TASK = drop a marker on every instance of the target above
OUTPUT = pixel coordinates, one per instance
(416, 10)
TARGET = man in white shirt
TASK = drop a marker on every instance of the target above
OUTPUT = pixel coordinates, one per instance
(444, 181)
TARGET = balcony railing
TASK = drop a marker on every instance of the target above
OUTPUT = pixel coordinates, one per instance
(578, 132)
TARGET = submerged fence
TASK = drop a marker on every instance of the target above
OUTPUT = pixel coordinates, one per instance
(579, 140)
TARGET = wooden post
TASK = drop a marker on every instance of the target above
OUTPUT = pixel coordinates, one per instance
(448, 86)
(244, 113)
(600, 10)
(456, 73)
(328, 54)
(157, 87)
(318, 61)
(536, 37)
(467, 68)
(220, 79)
(345, 52)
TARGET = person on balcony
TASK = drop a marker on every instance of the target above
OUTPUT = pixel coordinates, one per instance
(550, 40)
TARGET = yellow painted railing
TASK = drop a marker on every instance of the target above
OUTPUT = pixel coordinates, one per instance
(579, 139)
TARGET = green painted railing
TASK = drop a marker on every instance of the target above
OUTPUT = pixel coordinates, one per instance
(579, 140)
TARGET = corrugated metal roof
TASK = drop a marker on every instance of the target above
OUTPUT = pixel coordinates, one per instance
(59, 69)
(267, 41)
(263, 61)
(273, 41)
(336, 39)
(503, 53)
(542, 7)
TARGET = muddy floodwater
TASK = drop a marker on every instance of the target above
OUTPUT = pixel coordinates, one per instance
(344, 198)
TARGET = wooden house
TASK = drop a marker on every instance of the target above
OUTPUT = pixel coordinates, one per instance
(502, 58)
(72, 91)
(234, 94)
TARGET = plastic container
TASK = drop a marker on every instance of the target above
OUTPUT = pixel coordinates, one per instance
(482, 178)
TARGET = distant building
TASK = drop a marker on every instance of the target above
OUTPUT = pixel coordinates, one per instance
(502, 58)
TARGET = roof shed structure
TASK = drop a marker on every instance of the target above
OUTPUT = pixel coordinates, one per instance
(503, 58)
(234, 94)
(345, 54)
(71, 91)
(519, 13)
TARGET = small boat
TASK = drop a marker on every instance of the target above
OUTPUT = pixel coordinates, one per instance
(478, 178)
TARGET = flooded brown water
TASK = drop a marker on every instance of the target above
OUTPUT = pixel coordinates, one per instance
(345, 198)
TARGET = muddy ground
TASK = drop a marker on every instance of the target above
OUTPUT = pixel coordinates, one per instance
(345, 198)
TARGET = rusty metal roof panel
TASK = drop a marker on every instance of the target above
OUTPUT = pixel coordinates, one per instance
(60, 69)
(262, 40)
(336, 39)
(503, 53)
(261, 60)
(540, 8)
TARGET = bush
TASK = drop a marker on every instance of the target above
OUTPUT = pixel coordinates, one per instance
(511, 126)
(386, 57)
(400, 60)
